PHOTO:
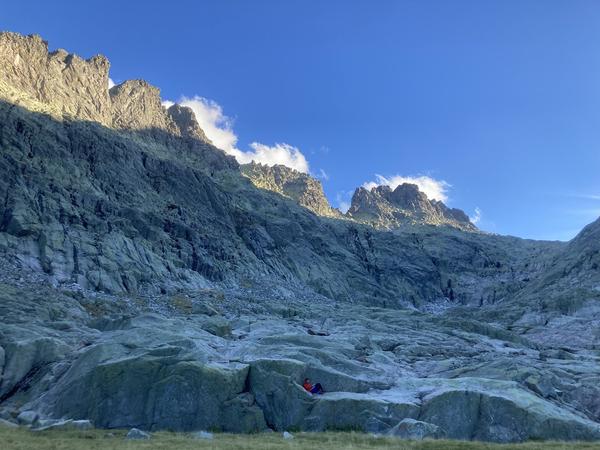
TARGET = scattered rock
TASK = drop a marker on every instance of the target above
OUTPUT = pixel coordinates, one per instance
(217, 325)
(135, 434)
(203, 435)
(28, 418)
(287, 435)
(64, 425)
(416, 430)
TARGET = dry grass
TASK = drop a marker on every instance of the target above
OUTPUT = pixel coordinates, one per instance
(22, 439)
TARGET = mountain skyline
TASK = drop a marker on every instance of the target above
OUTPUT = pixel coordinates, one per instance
(149, 282)
(515, 148)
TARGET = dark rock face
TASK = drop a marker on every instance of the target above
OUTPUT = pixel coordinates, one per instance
(146, 282)
(406, 205)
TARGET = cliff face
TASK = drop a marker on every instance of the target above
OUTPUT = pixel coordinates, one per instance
(406, 205)
(78, 88)
(300, 187)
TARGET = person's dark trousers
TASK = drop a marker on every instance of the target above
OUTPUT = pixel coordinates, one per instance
(317, 389)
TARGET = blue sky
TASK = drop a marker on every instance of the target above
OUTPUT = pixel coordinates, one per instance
(499, 99)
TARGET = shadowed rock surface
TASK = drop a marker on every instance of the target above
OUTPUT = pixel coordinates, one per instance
(147, 282)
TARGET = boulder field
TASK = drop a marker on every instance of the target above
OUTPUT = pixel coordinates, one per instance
(147, 363)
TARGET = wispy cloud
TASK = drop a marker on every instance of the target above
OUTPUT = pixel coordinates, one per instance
(589, 196)
(476, 217)
(218, 127)
(322, 175)
(111, 83)
(434, 189)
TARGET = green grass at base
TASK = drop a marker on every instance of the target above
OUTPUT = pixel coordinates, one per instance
(23, 439)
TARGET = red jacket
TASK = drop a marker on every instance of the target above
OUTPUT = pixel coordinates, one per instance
(308, 386)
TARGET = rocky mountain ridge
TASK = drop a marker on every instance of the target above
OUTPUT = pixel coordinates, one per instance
(383, 207)
(131, 249)
(79, 88)
(300, 187)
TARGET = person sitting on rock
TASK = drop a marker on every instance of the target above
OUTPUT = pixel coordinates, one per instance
(316, 389)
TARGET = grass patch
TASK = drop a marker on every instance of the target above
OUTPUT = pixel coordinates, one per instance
(23, 439)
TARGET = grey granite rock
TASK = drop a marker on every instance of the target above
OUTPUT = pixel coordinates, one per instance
(416, 430)
(137, 435)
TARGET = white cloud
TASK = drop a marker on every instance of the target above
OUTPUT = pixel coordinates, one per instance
(219, 129)
(111, 83)
(434, 189)
(476, 217)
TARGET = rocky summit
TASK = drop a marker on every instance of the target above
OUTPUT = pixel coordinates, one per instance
(149, 281)
(386, 208)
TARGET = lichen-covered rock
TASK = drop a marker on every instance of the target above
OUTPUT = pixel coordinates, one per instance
(26, 357)
(135, 434)
(416, 430)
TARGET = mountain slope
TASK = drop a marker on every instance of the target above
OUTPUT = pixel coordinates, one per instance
(146, 281)
(148, 204)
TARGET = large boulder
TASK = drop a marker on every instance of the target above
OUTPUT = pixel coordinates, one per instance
(25, 358)
(159, 392)
(286, 405)
(347, 410)
(274, 383)
(500, 411)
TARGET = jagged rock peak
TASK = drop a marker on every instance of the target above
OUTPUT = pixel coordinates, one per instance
(405, 205)
(78, 88)
(301, 187)
(184, 118)
(137, 105)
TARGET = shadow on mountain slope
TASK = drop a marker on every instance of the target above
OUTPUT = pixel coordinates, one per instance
(128, 210)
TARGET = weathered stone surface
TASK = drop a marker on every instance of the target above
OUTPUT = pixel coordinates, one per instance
(67, 424)
(79, 86)
(28, 418)
(416, 430)
(137, 105)
(135, 434)
(186, 122)
(26, 357)
(7, 424)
